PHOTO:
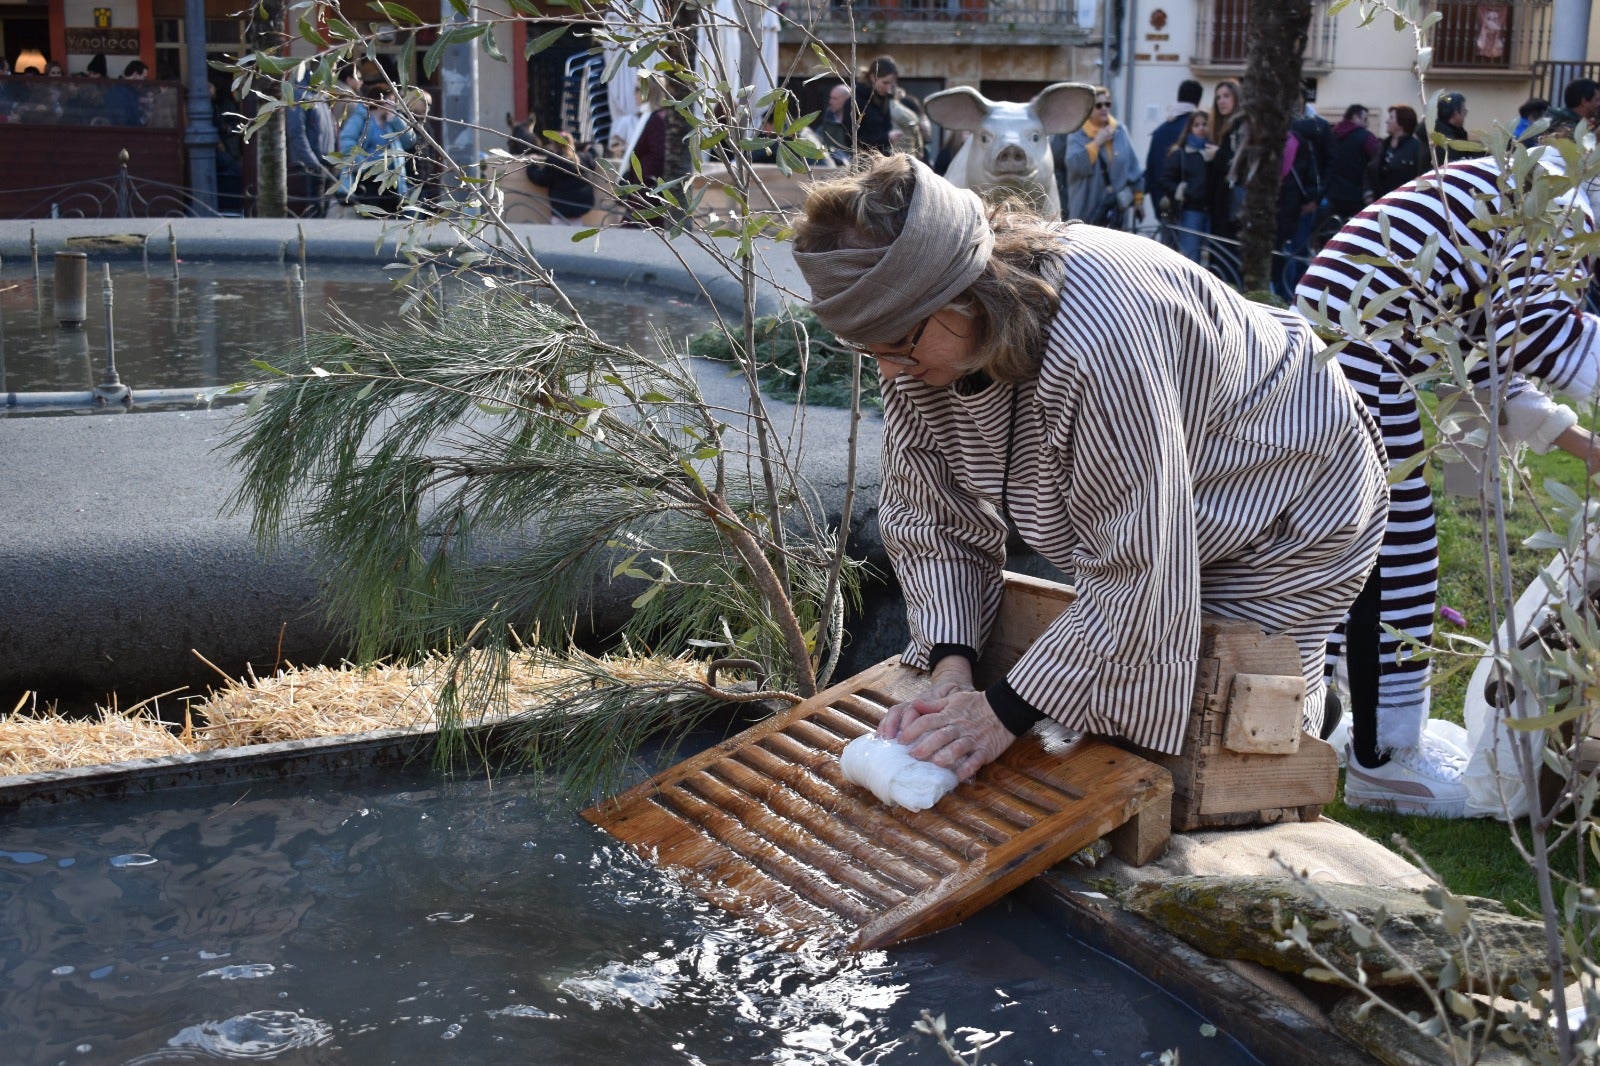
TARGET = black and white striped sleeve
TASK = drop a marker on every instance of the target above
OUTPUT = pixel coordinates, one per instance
(948, 546)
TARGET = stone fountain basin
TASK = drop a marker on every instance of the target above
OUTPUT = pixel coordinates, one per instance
(118, 564)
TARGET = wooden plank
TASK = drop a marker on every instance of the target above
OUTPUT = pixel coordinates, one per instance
(776, 724)
(765, 824)
(1237, 782)
(1009, 864)
(1027, 609)
(1264, 714)
(1144, 837)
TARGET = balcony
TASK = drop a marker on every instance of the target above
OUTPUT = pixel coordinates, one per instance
(1052, 22)
(1222, 39)
(1491, 38)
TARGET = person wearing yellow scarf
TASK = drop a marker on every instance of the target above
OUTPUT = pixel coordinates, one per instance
(1101, 126)
(1097, 170)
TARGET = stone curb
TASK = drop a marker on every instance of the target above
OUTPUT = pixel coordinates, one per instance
(118, 566)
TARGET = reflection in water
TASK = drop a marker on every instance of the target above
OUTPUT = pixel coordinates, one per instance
(310, 922)
(205, 327)
(72, 355)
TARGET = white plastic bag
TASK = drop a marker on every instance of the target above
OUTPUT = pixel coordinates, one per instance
(1494, 785)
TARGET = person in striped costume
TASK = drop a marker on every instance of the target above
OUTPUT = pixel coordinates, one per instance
(1170, 444)
(1393, 763)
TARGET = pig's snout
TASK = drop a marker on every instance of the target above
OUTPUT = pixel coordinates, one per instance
(1012, 160)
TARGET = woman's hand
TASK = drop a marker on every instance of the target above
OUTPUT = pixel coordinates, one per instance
(950, 725)
(961, 734)
(951, 674)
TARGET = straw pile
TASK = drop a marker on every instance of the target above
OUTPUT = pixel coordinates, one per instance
(295, 704)
(48, 741)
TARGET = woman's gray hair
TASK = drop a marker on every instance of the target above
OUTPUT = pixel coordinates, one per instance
(1011, 299)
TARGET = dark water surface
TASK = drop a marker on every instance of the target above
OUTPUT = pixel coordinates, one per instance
(204, 328)
(405, 917)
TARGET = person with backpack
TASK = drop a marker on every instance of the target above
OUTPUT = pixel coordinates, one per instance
(1305, 184)
(1352, 148)
(1169, 133)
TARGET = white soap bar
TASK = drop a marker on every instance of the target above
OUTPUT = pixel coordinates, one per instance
(887, 768)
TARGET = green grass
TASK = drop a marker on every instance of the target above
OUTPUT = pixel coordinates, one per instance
(1475, 857)
(780, 339)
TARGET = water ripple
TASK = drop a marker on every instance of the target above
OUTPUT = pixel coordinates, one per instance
(137, 858)
(261, 1034)
(523, 1010)
(242, 971)
(621, 984)
(24, 858)
(451, 917)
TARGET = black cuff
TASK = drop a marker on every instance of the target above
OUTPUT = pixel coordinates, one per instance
(944, 651)
(1014, 712)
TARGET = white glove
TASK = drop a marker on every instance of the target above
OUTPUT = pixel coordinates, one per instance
(1535, 419)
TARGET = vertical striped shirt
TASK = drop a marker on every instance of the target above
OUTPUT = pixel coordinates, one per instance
(1536, 327)
(1179, 449)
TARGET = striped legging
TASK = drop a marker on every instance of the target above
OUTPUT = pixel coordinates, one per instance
(1389, 692)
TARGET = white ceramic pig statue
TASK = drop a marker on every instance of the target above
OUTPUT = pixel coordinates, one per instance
(1009, 148)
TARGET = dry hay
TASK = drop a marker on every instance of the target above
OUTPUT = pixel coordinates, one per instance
(299, 704)
(34, 743)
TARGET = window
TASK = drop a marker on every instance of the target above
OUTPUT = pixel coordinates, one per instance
(223, 37)
(1230, 37)
(1473, 35)
(1222, 38)
(1479, 35)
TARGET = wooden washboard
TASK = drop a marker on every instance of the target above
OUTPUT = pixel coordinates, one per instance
(766, 826)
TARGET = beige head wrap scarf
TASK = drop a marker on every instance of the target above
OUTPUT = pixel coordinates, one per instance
(878, 295)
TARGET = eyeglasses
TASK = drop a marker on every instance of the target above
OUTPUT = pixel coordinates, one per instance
(901, 356)
(1102, 104)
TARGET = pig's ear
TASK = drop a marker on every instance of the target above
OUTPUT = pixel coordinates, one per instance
(1064, 106)
(961, 108)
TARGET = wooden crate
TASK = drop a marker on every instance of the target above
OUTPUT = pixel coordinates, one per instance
(1245, 759)
(1264, 769)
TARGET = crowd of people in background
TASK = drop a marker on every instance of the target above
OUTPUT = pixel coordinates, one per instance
(1199, 162)
(92, 97)
(358, 147)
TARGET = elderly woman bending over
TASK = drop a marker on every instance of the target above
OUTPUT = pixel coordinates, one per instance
(1172, 446)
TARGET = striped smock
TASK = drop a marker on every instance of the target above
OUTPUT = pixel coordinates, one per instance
(1552, 339)
(1180, 450)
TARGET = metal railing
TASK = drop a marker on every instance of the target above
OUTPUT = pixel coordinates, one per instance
(1550, 77)
(1507, 35)
(1035, 15)
(120, 195)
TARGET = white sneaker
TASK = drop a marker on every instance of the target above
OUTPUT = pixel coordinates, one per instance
(1425, 779)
